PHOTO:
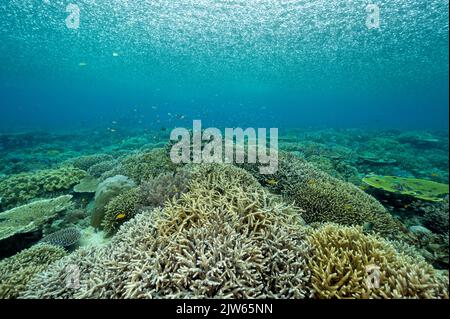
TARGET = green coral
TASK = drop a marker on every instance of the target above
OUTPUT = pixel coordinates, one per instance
(149, 164)
(120, 209)
(414, 187)
(86, 162)
(32, 216)
(19, 269)
(21, 188)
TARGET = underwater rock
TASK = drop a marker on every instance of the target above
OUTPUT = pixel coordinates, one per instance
(412, 187)
(31, 217)
(106, 191)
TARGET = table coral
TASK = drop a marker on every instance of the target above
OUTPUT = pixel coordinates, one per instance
(417, 188)
(32, 216)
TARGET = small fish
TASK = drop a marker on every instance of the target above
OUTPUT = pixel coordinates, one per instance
(115, 54)
(81, 64)
(435, 174)
(120, 216)
(272, 182)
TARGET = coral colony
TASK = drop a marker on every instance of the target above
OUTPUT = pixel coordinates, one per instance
(207, 146)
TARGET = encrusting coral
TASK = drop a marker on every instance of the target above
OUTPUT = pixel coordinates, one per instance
(19, 269)
(21, 188)
(325, 198)
(225, 238)
(343, 257)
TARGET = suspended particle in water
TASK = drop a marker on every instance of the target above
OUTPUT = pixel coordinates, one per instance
(373, 16)
(73, 19)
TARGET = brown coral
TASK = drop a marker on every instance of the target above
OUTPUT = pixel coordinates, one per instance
(340, 262)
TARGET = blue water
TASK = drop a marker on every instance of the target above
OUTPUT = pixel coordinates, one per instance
(286, 63)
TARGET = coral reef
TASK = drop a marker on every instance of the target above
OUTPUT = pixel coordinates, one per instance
(149, 164)
(342, 258)
(64, 237)
(225, 238)
(327, 199)
(22, 188)
(19, 269)
(86, 162)
(88, 184)
(417, 188)
(120, 209)
(98, 169)
(435, 215)
(31, 217)
(106, 191)
(156, 191)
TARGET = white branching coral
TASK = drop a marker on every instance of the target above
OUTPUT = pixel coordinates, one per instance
(225, 238)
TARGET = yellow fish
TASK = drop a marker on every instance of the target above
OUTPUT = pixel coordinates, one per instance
(120, 216)
(272, 181)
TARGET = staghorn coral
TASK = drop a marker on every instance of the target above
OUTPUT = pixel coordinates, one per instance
(65, 237)
(225, 238)
(149, 164)
(31, 217)
(19, 269)
(21, 188)
(327, 199)
(340, 258)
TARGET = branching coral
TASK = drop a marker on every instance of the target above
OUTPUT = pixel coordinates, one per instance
(144, 166)
(98, 169)
(327, 199)
(225, 238)
(19, 269)
(20, 189)
(340, 264)
(86, 162)
(164, 187)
